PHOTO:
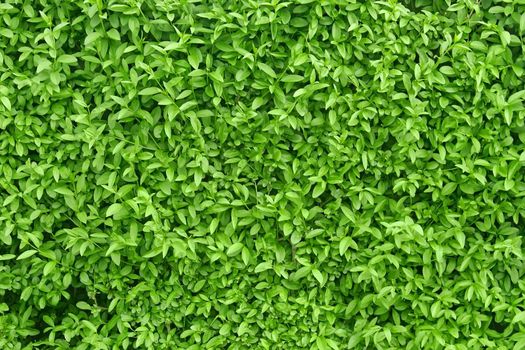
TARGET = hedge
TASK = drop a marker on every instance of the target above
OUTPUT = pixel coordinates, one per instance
(241, 174)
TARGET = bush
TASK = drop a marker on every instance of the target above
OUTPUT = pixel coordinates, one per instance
(227, 174)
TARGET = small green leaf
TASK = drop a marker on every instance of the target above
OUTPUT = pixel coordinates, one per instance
(49, 267)
(6, 102)
(91, 37)
(292, 78)
(64, 191)
(26, 293)
(519, 317)
(263, 266)
(322, 344)
(235, 249)
(318, 276)
(114, 34)
(267, 69)
(194, 57)
(150, 91)
(7, 257)
(505, 38)
(257, 102)
(345, 243)
(449, 188)
(460, 236)
(115, 209)
(68, 59)
(89, 325)
(246, 256)
(301, 272)
(319, 189)
(26, 254)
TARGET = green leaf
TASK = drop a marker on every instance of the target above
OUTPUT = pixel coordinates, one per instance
(460, 236)
(82, 305)
(91, 37)
(194, 57)
(235, 249)
(519, 317)
(257, 102)
(113, 34)
(346, 243)
(26, 293)
(449, 188)
(319, 189)
(116, 209)
(89, 325)
(26, 254)
(505, 38)
(64, 191)
(267, 69)
(150, 91)
(292, 78)
(7, 257)
(263, 267)
(318, 276)
(49, 267)
(246, 256)
(6, 102)
(301, 273)
(322, 344)
(68, 59)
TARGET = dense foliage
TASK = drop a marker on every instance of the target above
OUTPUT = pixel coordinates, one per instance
(311, 174)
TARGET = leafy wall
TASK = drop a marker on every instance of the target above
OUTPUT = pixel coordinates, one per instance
(262, 175)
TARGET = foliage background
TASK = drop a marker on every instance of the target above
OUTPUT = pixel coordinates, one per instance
(269, 175)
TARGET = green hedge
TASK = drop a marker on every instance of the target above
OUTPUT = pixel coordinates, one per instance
(240, 174)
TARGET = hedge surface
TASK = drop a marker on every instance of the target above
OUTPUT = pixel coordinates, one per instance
(310, 174)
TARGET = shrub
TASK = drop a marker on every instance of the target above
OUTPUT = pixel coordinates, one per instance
(311, 174)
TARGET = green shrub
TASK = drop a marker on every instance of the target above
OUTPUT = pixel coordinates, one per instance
(311, 174)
